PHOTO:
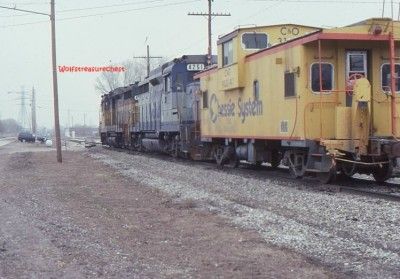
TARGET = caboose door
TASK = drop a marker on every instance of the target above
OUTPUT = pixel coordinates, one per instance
(356, 67)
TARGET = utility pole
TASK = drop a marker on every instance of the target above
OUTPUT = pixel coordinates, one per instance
(22, 110)
(33, 110)
(148, 57)
(209, 15)
(55, 83)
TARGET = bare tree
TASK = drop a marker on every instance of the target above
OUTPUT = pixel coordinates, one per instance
(9, 126)
(107, 81)
(135, 70)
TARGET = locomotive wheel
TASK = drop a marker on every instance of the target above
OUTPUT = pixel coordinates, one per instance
(175, 152)
(294, 173)
(175, 149)
(234, 163)
(383, 173)
(327, 177)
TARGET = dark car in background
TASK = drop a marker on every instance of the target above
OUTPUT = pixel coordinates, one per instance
(41, 139)
(26, 137)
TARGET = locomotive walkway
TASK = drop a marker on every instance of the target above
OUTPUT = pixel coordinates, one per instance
(83, 219)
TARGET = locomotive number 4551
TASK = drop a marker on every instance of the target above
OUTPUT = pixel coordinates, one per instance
(195, 67)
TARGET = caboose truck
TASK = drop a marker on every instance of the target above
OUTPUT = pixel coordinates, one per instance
(324, 102)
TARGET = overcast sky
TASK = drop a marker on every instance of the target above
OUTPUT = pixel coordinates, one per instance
(97, 32)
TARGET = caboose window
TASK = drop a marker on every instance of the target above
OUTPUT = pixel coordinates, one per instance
(254, 40)
(327, 77)
(385, 77)
(290, 90)
(256, 89)
(227, 53)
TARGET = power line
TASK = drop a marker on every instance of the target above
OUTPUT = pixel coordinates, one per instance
(105, 13)
(148, 57)
(209, 15)
(321, 1)
(250, 16)
(93, 8)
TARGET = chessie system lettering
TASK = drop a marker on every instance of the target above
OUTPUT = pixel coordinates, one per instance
(242, 108)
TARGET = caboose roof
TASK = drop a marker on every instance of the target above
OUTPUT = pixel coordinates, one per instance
(255, 28)
(349, 33)
(370, 20)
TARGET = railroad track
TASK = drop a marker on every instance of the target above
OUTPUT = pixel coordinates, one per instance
(359, 186)
(370, 193)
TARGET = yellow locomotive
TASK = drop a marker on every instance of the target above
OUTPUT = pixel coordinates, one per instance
(323, 100)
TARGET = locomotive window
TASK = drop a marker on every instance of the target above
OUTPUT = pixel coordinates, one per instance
(289, 85)
(127, 95)
(254, 40)
(256, 89)
(385, 77)
(167, 84)
(144, 88)
(205, 99)
(327, 77)
(227, 53)
(179, 82)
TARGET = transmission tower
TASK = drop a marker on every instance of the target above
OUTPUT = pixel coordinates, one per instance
(23, 113)
(33, 111)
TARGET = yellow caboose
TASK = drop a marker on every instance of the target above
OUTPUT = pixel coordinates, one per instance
(324, 100)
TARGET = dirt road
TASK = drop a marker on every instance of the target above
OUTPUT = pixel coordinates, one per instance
(83, 219)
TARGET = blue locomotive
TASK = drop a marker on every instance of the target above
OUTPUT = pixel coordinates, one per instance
(158, 114)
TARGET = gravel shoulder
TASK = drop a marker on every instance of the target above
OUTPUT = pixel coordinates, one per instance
(83, 219)
(353, 235)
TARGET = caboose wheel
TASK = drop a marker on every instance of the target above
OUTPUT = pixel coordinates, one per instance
(275, 159)
(327, 177)
(383, 173)
(219, 157)
(296, 163)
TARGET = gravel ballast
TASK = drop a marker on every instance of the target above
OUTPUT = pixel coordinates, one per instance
(356, 235)
(83, 219)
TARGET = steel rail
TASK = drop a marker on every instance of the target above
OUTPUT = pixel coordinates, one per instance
(369, 193)
(338, 188)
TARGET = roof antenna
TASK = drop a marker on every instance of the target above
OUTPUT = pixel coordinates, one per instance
(383, 8)
(398, 13)
(391, 5)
